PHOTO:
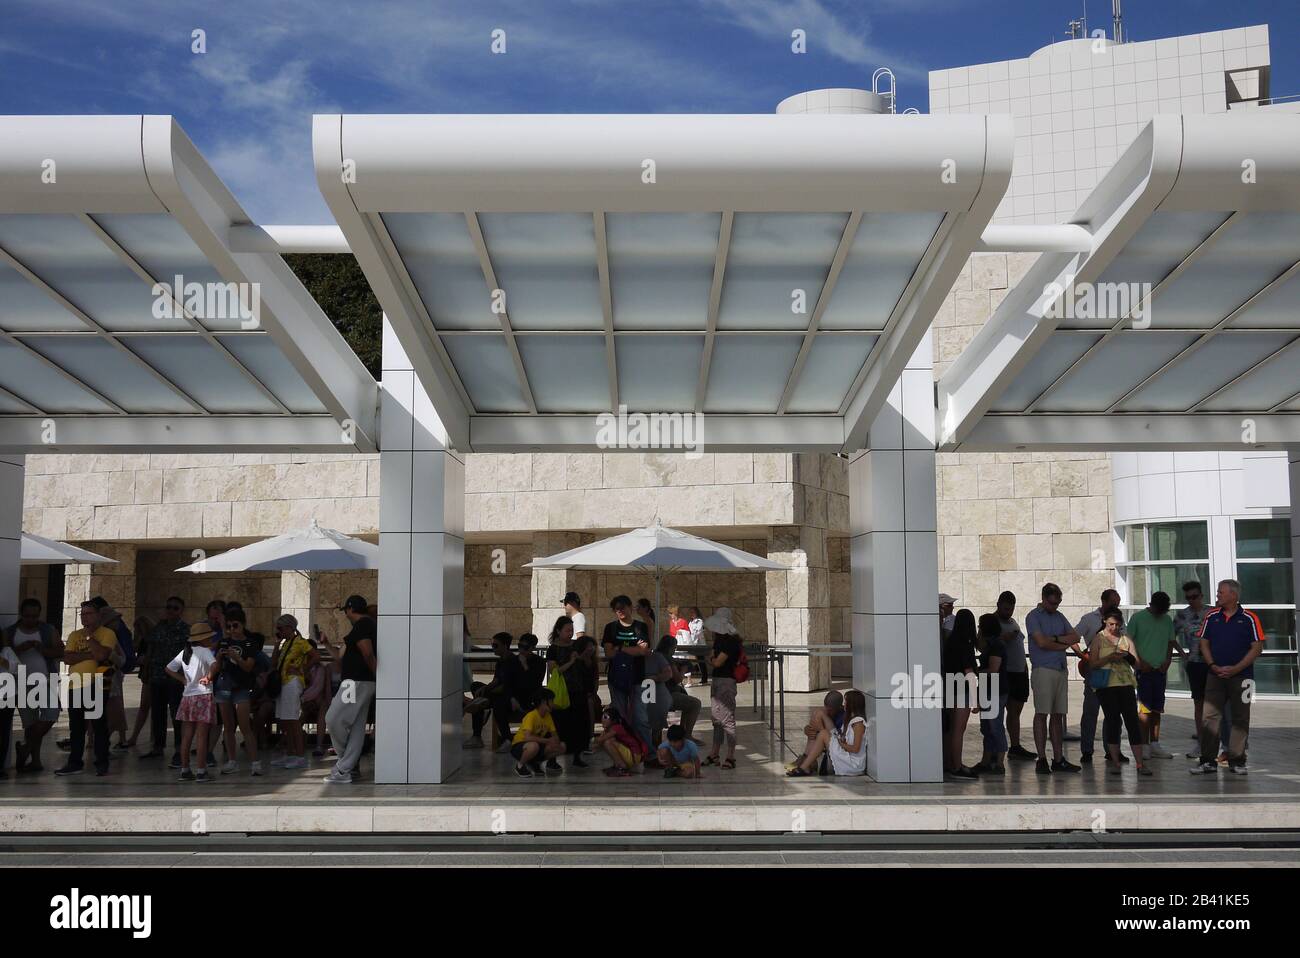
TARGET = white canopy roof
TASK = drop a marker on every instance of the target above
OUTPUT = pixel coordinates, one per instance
(773, 272)
(1204, 210)
(313, 549)
(99, 216)
(38, 550)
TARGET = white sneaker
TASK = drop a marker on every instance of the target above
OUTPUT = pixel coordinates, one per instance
(1207, 768)
(255, 768)
(230, 767)
(1159, 751)
(333, 779)
(1238, 769)
(473, 742)
(295, 761)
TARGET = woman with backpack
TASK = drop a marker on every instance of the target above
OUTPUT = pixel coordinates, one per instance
(730, 667)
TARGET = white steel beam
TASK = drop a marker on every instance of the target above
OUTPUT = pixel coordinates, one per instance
(1099, 432)
(181, 434)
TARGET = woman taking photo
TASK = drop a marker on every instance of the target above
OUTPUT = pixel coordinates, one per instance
(1111, 659)
(572, 723)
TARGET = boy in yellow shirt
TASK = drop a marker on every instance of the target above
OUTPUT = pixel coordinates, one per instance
(536, 738)
(86, 654)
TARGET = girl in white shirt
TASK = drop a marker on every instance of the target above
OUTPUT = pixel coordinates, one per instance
(196, 712)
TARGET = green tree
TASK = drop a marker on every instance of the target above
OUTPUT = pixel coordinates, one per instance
(336, 282)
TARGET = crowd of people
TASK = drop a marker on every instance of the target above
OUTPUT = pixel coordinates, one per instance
(212, 682)
(554, 699)
(1125, 666)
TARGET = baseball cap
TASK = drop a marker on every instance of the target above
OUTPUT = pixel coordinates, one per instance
(355, 603)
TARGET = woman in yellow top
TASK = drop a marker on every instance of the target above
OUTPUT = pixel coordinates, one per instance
(1112, 657)
(293, 659)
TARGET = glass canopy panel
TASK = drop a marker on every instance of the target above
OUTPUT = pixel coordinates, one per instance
(206, 374)
(1047, 366)
(1219, 361)
(63, 252)
(263, 358)
(1164, 241)
(1255, 250)
(546, 264)
(658, 373)
(1113, 369)
(747, 374)
(566, 373)
(774, 258)
(111, 372)
(24, 308)
(487, 372)
(833, 363)
(1270, 384)
(444, 266)
(159, 244)
(1277, 309)
(661, 268)
(10, 407)
(885, 254)
(30, 379)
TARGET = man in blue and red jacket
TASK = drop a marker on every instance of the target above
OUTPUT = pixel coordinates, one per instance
(1232, 638)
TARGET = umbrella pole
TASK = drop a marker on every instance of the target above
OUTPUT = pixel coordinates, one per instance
(659, 576)
(313, 592)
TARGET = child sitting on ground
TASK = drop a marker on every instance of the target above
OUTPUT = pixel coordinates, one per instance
(828, 718)
(536, 739)
(621, 744)
(679, 756)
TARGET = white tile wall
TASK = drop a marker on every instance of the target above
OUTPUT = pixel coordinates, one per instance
(1068, 89)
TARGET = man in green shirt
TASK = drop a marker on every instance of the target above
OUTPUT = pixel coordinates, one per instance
(1152, 632)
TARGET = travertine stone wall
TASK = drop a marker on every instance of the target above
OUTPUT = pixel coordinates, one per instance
(1016, 520)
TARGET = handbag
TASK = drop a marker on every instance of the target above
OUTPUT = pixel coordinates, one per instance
(555, 682)
(1098, 678)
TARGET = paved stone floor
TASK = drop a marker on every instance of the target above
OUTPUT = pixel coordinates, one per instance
(142, 795)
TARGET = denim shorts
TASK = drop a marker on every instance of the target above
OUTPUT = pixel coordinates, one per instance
(225, 694)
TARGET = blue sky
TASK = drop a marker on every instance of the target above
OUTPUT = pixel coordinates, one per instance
(247, 102)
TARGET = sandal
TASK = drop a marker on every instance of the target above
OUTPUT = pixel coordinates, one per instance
(615, 772)
(798, 772)
(729, 763)
(711, 760)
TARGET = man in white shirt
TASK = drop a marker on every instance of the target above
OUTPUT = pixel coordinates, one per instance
(33, 642)
(573, 609)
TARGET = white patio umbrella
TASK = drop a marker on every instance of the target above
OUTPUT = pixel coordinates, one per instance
(38, 550)
(309, 550)
(659, 550)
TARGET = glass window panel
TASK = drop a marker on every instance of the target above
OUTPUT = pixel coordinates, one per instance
(32, 380)
(1263, 388)
(64, 253)
(487, 372)
(884, 255)
(1248, 256)
(1113, 369)
(658, 373)
(444, 266)
(770, 256)
(110, 372)
(265, 361)
(212, 379)
(1277, 675)
(661, 268)
(1279, 627)
(546, 264)
(1263, 538)
(1051, 362)
(1149, 579)
(25, 308)
(1276, 309)
(1218, 362)
(1179, 540)
(1135, 542)
(1176, 677)
(1266, 583)
(566, 373)
(833, 363)
(748, 373)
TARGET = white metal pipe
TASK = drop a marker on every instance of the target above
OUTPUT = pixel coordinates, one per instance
(287, 239)
(1062, 238)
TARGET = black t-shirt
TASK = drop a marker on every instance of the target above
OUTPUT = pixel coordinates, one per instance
(958, 654)
(353, 662)
(526, 679)
(249, 647)
(626, 637)
(994, 647)
(575, 677)
(730, 644)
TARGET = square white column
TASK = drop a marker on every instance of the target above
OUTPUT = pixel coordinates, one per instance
(895, 579)
(421, 584)
(1293, 473)
(12, 469)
